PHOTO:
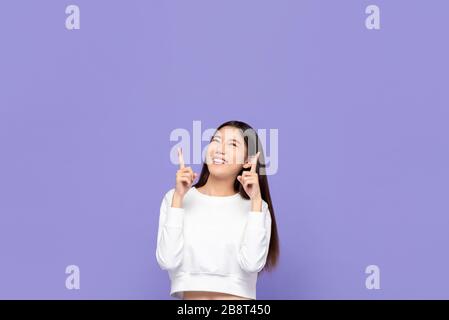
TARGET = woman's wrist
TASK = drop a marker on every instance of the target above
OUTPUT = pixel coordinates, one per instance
(176, 200)
(256, 204)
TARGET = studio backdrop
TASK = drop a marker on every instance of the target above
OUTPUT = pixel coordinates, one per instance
(350, 97)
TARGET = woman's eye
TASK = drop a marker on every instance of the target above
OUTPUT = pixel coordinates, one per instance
(234, 144)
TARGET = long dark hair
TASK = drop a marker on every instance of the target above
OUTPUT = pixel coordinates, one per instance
(252, 142)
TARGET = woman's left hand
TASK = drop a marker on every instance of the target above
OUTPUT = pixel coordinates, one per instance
(250, 181)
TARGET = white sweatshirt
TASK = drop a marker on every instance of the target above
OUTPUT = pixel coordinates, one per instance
(213, 243)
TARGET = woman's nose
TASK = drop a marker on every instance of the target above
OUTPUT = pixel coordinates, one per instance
(220, 148)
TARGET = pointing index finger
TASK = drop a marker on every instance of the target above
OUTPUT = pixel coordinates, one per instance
(181, 159)
(254, 161)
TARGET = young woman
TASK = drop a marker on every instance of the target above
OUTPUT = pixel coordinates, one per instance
(216, 236)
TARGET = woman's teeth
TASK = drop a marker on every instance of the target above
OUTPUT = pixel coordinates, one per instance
(218, 161)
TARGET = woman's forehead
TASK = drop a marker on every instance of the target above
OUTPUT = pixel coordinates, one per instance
(230, 133)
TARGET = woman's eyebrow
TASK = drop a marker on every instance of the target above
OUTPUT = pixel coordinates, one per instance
(235, 140)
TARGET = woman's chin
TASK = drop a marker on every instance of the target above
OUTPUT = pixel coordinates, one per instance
(220, 171)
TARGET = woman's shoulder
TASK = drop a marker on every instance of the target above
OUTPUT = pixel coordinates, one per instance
(188, 200)
(247, 202)
(169, 194)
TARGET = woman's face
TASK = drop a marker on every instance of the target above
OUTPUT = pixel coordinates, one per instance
(226, 153)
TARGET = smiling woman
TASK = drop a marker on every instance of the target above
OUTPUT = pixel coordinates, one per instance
(214, 237)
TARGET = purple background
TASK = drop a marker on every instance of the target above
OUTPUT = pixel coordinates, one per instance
(85, 118)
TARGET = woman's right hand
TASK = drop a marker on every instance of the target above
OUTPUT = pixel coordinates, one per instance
(184, 181)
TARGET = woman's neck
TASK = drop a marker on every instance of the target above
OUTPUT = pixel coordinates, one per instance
(218, 187)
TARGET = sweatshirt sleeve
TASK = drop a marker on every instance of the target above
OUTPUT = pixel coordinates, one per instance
(255, 240)
(170, 239)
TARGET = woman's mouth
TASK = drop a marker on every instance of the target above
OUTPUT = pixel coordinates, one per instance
(218, 161)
